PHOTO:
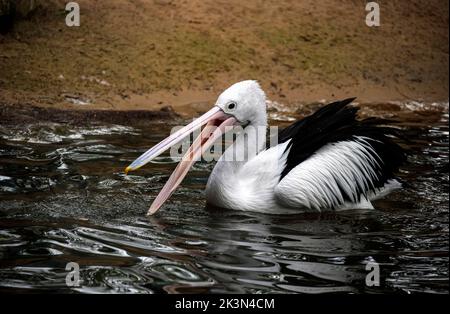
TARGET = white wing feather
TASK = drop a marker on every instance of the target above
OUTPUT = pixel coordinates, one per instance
(319, 182)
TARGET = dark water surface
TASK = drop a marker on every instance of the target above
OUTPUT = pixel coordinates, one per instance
(64, 198)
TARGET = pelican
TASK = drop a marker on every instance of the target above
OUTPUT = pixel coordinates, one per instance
(328, 160)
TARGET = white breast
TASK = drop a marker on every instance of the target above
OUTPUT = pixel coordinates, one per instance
(249, 186)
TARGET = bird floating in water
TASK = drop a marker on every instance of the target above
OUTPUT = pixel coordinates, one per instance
(328, 160)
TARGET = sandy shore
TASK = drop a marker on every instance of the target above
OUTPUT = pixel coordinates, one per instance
(130, 55)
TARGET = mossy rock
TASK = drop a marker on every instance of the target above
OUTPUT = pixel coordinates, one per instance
(25, 7)
(17, 8)
(6, 15)
(10, 10)
(5, 7)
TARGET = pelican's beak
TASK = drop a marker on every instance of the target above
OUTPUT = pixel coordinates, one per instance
(217, 123)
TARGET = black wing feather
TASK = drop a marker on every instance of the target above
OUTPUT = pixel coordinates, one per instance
(338, 122)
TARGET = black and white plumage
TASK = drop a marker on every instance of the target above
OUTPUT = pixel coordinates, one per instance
(328, 160)
(338, 160)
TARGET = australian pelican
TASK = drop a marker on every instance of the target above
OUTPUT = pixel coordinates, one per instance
(328, 160)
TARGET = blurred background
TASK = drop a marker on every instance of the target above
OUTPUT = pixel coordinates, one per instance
(153, 53)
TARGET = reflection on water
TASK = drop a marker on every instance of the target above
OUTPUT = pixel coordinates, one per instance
(64, 198)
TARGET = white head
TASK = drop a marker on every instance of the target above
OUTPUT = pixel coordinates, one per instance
(245, 101)
(242, 104)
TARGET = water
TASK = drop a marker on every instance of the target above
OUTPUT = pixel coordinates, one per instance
(64, 198)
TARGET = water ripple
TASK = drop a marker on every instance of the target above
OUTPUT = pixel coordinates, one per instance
(64, 198)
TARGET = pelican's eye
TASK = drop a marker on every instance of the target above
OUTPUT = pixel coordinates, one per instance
(231, 106)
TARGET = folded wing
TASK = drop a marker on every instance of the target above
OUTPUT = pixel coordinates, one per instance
(333, 159)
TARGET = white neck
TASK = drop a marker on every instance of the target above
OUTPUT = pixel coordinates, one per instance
(247, 184)
(247, 145)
